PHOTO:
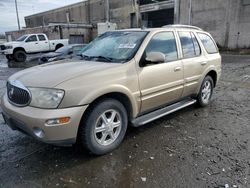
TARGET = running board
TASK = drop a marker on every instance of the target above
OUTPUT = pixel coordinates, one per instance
(142, 120)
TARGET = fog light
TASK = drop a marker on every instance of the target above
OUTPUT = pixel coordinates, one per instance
(38, 132)
(58, 121)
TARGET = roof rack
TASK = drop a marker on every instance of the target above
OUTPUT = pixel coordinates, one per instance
(183, 26)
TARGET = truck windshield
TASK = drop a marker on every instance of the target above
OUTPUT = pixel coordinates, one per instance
(63, 50)
(22, 38)
(116, 46)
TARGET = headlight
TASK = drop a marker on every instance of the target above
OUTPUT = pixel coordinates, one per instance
(46, 98)
(8, 47)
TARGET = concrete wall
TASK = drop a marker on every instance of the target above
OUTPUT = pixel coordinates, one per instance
(76, 13)
(227, 20)
(120, 12)
(85, 12)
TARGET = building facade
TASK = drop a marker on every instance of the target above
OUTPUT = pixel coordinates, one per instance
(227, 20)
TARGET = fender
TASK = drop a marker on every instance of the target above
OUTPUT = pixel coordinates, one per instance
(208, 69)
(134, 98)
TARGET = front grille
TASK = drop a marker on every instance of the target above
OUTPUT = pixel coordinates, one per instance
(2, 47)
(18, 95)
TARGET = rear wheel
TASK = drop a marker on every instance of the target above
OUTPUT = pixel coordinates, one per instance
(20, 56)
(104, 127)
(58, 46)
(206, 91)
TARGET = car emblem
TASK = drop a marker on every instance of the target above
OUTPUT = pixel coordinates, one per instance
(11, 92)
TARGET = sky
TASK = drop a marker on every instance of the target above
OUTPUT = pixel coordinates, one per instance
(8, 20)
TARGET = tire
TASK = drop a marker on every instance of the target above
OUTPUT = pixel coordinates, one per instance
(9, 57)
(20, 56)
(97, 134)
(206, 92)
(58, 46)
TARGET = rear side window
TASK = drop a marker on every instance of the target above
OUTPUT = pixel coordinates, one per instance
(165, 43)
(76, 49)
(208, 43)
(41, 37)
(196, 45)
(190, 45)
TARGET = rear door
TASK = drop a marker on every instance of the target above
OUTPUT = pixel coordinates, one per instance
(43, 43)
(194, 62)
(161, 83)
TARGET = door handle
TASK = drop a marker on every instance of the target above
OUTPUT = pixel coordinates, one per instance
(177, 69)
(203, 63)
(36, 43)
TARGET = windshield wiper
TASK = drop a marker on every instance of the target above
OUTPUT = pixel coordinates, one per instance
(108, 59)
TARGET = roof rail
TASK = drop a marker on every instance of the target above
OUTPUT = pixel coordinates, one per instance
(183, 26)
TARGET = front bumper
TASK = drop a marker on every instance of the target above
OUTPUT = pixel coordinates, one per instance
(8, 51)
(28, 119)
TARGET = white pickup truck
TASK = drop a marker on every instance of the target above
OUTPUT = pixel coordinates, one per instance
(31, 43)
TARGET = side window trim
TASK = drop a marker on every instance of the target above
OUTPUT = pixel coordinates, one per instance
(194, 37)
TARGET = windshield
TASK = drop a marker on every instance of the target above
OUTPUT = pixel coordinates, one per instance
(22, 38)
(116, 46)
(63, 50)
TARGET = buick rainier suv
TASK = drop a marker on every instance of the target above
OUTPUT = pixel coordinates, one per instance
(123, 77)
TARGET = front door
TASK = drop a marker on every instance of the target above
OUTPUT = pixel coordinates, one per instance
(161, 83)
(31, 44)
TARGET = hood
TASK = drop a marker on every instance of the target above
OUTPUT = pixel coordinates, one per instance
(52, 74)
(11, 43)
(51, 54)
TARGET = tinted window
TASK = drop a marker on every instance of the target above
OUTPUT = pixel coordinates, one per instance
(76, 49)
(208, 43)
(164, 42)
(190, 46)
(41, 37)
(197, 48)
(64, 50)
(32, 38)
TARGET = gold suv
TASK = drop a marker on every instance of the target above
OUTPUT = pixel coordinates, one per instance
(123, 77)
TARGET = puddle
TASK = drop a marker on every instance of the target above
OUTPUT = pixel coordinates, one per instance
(3, 63)
(32, 60)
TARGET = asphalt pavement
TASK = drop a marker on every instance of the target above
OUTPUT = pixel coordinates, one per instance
(195, 147)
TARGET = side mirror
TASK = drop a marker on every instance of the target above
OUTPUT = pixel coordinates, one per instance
(155, 57)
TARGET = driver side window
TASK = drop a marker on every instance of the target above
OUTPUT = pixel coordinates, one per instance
(32, 38)
(165, 43)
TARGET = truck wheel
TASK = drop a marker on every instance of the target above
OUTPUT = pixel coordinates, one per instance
(58, 46)
(9, 57)
(20, 56)
(206, 91)
(104, 127)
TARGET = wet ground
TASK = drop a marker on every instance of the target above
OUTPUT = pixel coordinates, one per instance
(195, 147)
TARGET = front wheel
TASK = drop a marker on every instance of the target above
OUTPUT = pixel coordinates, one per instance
(9, 57)
(20, 56)
(104, 127)
(206, 92)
